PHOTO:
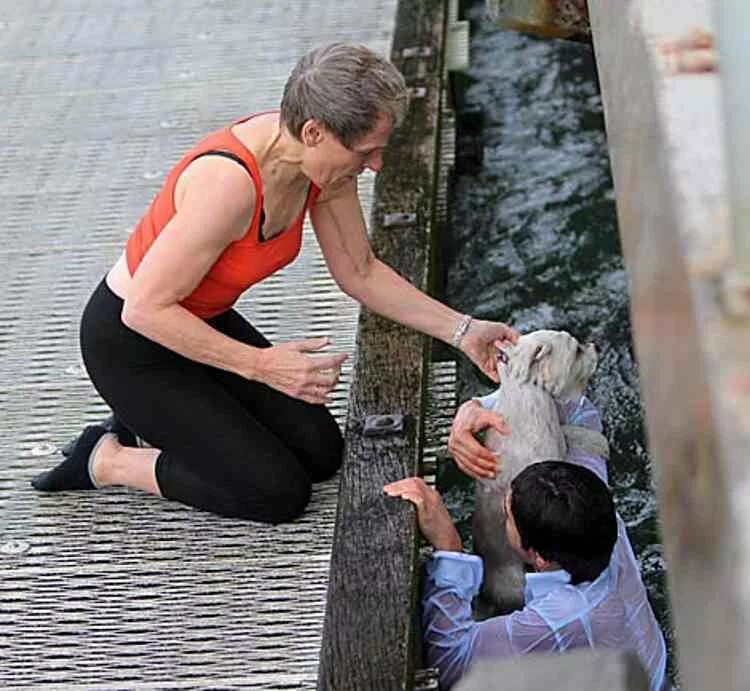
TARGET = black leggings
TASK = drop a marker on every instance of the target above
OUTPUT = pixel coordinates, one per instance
(228, 445)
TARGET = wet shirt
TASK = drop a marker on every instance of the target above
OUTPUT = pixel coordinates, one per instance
(611, 612)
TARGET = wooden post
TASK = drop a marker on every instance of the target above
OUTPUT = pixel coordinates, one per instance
(664, 133)
(369, 638)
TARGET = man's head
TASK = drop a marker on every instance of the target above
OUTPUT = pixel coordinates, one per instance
(561, 513)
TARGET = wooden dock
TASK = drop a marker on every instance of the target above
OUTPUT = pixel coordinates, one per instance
(115, 589)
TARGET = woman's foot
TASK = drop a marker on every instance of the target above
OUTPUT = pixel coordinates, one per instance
(111, 424)
(78, 470)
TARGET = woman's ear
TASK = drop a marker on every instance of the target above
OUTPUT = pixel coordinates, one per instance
(311, 133)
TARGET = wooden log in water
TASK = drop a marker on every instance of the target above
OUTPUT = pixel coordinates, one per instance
(370, 636)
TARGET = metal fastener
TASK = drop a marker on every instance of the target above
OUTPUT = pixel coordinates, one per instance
(399, 218)
(379, 425)
(417, 52)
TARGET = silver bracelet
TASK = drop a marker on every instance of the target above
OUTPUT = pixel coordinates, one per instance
(461, 329)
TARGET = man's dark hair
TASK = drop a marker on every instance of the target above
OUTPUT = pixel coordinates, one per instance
(566, 513)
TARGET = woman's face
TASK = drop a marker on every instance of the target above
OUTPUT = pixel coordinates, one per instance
(327, 161)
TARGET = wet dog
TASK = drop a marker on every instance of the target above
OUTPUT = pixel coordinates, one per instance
(543, 369)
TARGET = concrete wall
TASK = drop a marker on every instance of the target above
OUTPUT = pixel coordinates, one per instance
(665, 138)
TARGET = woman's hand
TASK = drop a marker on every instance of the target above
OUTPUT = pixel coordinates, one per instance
(471, 457)
(434, 520)
(481, 342)
(288, 368)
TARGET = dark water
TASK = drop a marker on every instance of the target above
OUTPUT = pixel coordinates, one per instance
(534, 241)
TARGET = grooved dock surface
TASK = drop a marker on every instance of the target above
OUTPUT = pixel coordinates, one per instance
(118, 589)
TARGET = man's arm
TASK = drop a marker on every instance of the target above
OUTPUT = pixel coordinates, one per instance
(583, 413)
(452, 638)
(477, 413)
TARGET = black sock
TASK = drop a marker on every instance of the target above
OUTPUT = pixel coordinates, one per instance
(73, 472)
(111, 424)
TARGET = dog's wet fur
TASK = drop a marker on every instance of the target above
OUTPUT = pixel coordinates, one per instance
(543, 368)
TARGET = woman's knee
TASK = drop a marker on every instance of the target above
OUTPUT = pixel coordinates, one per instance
(270, 497)
(279, 504)
(323, 454)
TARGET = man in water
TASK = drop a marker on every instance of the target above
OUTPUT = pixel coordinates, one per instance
(585, 589)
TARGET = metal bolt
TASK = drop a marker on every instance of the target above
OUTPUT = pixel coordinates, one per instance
(417, 52)
(377, 425)
(13, 547)
(400, 218)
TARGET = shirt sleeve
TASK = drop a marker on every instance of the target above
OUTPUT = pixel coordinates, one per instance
(489, 400)
(453, 640)
(583, 413)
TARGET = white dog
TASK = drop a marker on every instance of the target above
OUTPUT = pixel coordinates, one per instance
(543, 368)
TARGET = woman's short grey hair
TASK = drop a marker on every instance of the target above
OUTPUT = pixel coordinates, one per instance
(345, 86)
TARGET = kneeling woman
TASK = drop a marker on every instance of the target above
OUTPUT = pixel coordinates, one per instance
(238, 426)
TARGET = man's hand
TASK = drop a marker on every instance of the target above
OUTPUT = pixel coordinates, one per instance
(471, 457)
(434, 520)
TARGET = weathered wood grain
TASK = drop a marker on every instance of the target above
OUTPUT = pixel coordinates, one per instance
(369, 638)
(664, 132)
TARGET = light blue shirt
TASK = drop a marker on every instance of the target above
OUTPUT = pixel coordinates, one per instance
(610, 612)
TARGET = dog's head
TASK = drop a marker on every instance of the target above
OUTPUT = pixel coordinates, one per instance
(553, 360)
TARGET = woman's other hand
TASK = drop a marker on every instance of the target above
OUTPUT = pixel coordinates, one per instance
(471, 457)
(481, 342)
(434, 520)
(289, 368)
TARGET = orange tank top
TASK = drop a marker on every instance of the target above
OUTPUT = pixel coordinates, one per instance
(245, 261)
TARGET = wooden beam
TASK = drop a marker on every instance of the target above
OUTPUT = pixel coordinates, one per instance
(664, 132)
(370, 636)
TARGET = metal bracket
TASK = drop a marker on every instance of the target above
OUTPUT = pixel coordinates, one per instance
(417, 52)
(426, 679)
(457, 46)
(380, 425)
(399, 218)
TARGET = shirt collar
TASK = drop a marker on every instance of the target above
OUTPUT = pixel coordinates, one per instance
(542, 583)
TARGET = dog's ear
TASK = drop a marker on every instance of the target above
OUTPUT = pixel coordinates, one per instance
(526, 356)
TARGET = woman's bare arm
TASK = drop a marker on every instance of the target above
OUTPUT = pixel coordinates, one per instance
(215, 210)
(342, 234)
